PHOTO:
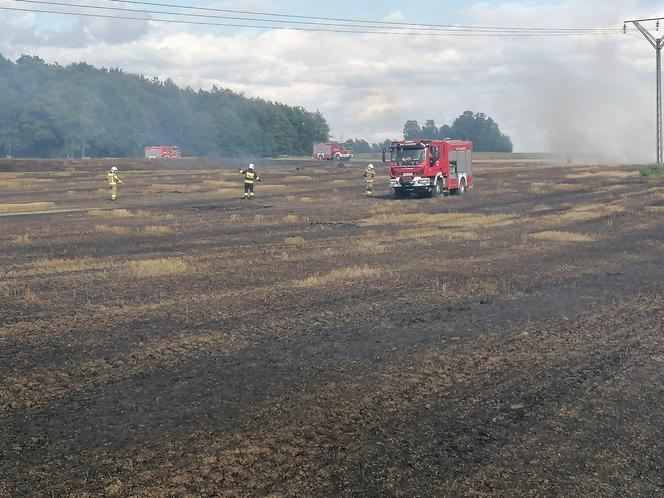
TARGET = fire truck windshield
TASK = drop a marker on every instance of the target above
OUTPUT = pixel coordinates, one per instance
(412, 156)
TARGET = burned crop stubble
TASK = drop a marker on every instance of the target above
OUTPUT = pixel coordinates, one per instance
(318, 343)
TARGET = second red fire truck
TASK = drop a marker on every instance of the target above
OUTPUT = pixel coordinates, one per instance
(162, 151)
(331, 151)
(430, 167)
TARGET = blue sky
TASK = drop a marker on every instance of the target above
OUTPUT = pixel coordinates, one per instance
(415, 11)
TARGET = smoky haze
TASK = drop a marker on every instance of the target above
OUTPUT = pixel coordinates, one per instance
(592, 109)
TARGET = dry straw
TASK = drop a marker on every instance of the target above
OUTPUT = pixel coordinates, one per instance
(159, 267)
(558, 236)
(341, 275)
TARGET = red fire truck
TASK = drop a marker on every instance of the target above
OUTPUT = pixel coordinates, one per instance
(160, 151)
(430, 167)
(331, 150)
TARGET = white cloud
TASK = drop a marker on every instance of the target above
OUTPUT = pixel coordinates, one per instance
(396, 16)
(590, 95)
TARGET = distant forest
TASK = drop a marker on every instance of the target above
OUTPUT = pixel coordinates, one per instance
(48, 110)
(477, 127)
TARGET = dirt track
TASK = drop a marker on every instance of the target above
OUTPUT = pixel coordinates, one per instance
(312, 342)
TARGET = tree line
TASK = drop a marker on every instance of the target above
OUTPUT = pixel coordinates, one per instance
(49, 110)
(482, 130)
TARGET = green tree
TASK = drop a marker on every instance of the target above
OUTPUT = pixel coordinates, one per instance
(429, 130)
(51, 110)
(358, 146)
(482, 130)
(412, 130)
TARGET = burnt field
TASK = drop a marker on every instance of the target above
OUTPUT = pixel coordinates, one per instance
(313, 342)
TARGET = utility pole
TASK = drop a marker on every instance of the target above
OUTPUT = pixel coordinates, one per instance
(657, 44)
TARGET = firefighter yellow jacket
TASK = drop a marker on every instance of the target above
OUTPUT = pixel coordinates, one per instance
(249, 176)
(113, 178)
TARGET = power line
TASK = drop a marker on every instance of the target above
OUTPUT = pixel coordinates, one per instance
(345, 20)
(307, 23)
(293, 28)
(646, 19)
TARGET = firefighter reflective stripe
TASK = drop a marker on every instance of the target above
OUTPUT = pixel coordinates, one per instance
(249, 177)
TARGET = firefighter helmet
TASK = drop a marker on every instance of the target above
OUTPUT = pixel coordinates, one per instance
(251, 166)
(114, 169)
(371, 166)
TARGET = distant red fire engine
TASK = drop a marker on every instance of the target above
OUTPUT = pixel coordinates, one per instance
(162, 151)
(331, 151)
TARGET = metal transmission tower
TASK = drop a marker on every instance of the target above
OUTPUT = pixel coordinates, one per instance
(657, 44)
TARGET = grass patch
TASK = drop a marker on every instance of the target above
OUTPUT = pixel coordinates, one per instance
(581, 175)
(443, 219)
(59, 265)
(557, 236)
(566, 187)
(295, 241)
(538, 188)
(651, 170)
(159, 267)
(371, 246)
(117, 213)
(25, 295)
(111, 229)
(157, 230)
(601, 174)
(547, 188)
(300, 178)
(30, 296)
(422, 233)
(588, 212)
(291, 218)
(287, 256)
(655, 209)
(348, 274)
(25, 206)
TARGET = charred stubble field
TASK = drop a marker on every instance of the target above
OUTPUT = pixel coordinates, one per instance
(313, 342)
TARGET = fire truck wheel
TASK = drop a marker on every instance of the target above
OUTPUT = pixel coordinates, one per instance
(462, 187)
(437, 189)
(337, 157)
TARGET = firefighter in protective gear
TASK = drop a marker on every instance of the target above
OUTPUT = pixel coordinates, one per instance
(113, 181)
(369, 177)
(250, 178)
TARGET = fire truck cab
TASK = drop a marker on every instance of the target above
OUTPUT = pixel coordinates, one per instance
(430, 168)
